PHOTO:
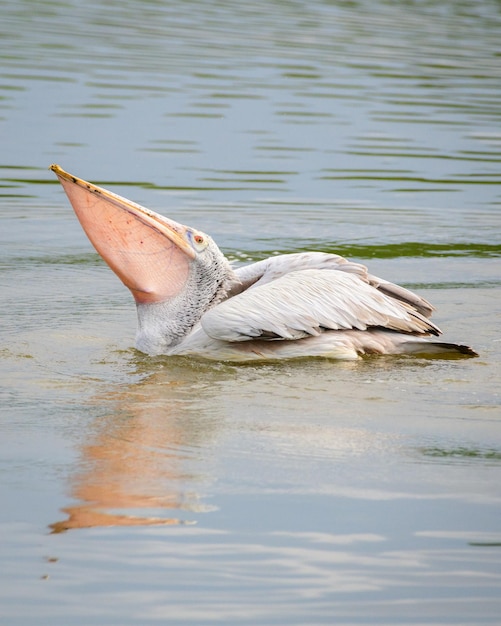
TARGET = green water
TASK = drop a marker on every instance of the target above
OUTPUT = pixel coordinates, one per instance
(137, 490)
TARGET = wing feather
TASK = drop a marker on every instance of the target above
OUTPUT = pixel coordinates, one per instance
(272, 268)
(307, 302)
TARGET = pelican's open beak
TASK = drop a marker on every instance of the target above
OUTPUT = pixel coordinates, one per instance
(148, 252)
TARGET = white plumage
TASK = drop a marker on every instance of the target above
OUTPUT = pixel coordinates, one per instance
(306, 303)
(191, 301)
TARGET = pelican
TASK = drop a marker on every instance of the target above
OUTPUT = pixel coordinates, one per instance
(191, 301)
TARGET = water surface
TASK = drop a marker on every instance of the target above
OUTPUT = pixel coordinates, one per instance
(138, 490)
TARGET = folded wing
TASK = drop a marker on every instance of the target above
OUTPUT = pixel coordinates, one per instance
(308, 302)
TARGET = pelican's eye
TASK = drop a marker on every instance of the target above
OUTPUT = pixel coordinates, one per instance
(199, 241)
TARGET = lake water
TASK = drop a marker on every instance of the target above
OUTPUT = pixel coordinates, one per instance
(137, 490)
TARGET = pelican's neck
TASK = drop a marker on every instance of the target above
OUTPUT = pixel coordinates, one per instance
(163, 325)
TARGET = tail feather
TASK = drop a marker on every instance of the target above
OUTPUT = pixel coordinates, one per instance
(431, 348)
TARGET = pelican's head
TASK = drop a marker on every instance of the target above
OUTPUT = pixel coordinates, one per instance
(158, 259)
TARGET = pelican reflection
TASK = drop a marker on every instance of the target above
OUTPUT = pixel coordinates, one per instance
(143, 462)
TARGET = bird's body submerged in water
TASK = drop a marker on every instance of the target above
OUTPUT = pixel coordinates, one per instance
(190, 301)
